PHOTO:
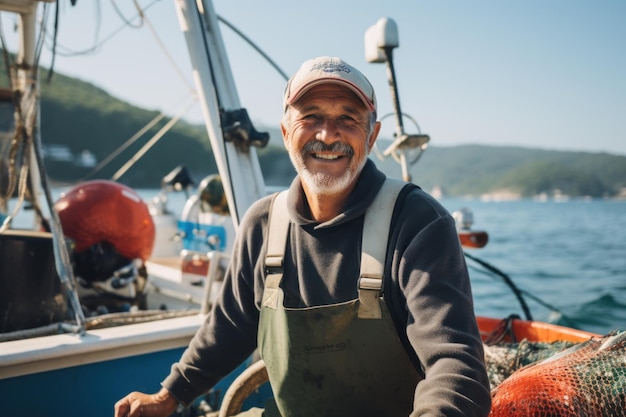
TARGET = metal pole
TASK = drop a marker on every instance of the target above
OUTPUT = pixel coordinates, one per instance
(394, 91)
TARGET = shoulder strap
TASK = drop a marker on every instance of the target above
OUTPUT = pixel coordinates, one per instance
(278, 228)
(374, 247)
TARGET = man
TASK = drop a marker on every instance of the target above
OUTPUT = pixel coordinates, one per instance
(419, 354)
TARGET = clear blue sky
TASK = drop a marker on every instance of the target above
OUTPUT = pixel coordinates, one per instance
(533, 73)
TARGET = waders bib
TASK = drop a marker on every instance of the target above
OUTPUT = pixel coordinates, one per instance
(337, 360)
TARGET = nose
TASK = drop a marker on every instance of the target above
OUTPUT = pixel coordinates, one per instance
(328, 130)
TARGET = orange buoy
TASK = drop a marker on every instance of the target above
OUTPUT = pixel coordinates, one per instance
(106, 211)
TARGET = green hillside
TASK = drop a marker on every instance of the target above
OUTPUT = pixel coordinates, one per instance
(474, 169)
(83, 117)
(478, 169)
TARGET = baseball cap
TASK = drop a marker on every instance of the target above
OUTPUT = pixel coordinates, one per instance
(329, 70)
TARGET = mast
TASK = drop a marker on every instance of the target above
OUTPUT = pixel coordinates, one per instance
(28, 86)
(233, 139)
(27, 120)
(24, 92)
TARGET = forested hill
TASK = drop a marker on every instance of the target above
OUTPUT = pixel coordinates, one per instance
(80, 118)
(525, 172)
(511, 172)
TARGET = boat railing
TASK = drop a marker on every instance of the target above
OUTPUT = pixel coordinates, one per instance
(216, 261)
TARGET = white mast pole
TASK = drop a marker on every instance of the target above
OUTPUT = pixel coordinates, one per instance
(239, 168)
(27, 85)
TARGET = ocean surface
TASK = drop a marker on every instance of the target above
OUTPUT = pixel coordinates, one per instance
(567, 258)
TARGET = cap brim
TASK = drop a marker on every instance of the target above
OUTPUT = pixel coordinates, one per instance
(295, 96)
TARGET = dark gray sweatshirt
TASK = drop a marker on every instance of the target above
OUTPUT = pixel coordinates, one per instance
(426, 288)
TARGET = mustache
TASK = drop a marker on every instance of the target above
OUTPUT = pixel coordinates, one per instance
(315, 146)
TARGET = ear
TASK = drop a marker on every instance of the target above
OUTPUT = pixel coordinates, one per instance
(284, 132)
(373, 136)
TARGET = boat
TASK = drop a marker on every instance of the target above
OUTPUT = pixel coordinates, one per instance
(59, 357)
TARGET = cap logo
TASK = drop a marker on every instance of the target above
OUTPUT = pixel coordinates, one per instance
(324, 70)
(331, 67)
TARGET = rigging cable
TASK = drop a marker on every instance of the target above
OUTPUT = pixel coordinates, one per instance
(98, 44)
(130, 23)
(21, 144)
(61, 251)
(253, 45)
(26, 102)
(519, 293)
(150, 143)
(507, 280)
(54, 42)
(11, 180)
(166, 53)
(123, 147)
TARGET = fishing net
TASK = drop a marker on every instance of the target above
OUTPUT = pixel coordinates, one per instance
(586, 379)
(503, 359)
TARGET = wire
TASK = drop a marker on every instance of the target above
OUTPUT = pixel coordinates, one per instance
(169, 57)
(98, 44)
(54, 40)
(130, 23)
(508, 281)
(519, 293)
(123, 147)
(253, 45)
(149, 144)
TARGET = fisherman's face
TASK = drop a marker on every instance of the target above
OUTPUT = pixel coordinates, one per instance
(329, 133)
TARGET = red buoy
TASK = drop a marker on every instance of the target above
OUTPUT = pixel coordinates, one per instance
(101, 210)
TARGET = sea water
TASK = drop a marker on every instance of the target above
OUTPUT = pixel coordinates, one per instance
(566, 258)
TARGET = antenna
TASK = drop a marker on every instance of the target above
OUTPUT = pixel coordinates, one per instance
(380, 41)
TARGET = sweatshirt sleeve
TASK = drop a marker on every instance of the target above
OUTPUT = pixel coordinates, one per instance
(441, 325)
(228, 335)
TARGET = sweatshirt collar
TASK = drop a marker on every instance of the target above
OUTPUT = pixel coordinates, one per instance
(368, 183)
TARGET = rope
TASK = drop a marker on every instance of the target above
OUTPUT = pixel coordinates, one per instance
(121, 319)
(255, 46)
(123, 147)
(508, 281)
(27, 139)
(150, 143)
(519, 293)
(503, 329)
(99, 322)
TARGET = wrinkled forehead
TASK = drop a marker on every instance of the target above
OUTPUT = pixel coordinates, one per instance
(331, 94)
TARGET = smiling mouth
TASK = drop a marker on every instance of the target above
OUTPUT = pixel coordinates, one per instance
(323, 152)
(328, 157)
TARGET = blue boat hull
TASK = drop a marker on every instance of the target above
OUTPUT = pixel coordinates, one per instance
(92, 389)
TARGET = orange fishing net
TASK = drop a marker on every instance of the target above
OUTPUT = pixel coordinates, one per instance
(587, 379)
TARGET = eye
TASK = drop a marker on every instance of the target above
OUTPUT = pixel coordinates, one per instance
(347, 120)
(312, 117)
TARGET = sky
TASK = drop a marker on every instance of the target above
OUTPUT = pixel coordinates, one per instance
(532, 73)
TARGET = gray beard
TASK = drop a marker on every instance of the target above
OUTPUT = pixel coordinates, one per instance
(320, 183)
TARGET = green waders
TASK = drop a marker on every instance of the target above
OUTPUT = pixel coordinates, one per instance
(337, 360)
